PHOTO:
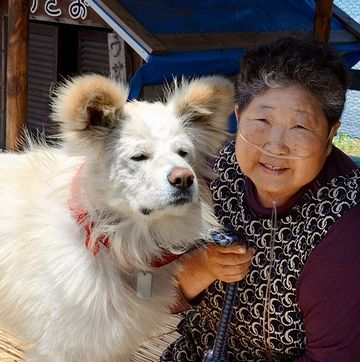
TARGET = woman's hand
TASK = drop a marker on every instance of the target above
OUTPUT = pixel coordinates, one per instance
(228, 264)
(213, 262)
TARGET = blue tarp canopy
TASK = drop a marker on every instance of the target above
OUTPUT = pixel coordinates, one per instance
(201, 37)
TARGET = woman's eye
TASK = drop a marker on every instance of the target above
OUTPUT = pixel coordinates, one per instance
(300, 126)
(182, 153)
(258, 121)
(138, 158)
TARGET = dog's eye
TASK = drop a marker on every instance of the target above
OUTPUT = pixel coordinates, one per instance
(182, 153)
(141, 157)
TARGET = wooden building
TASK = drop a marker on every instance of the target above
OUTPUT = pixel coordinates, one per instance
(65, 38)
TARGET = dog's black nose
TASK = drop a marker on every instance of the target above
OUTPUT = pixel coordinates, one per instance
(181, 177)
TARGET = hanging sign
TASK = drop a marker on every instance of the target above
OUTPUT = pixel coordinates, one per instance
(65, 11)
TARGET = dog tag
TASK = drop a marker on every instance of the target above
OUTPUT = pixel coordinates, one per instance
(144, 285)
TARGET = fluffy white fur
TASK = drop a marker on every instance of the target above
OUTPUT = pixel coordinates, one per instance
(76, 306)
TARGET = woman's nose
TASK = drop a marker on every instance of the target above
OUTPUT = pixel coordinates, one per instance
(277, 142)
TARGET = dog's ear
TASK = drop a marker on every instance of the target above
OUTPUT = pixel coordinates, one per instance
(88, 105)
(204, 104)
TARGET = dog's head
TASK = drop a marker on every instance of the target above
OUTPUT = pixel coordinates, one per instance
(144, 158)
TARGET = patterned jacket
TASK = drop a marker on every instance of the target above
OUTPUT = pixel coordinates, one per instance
(303, 302)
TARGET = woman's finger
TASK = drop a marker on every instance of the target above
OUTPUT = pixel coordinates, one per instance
(229, 258)
(230, 270)
(240, 248)
(233, 278)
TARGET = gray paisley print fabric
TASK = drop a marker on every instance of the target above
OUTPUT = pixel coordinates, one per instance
(265, 320)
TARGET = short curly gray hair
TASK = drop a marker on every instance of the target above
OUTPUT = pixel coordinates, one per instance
(295, 60)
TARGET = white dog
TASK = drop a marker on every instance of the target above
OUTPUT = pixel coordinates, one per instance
(86, 227)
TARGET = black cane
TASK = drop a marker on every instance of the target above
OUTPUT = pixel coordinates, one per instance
(218, 352)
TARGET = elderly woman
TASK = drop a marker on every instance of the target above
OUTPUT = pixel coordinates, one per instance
(294, 199)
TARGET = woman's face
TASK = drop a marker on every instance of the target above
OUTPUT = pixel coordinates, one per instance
(289, 142)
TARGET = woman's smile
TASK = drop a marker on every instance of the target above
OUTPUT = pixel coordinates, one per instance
(271, 169)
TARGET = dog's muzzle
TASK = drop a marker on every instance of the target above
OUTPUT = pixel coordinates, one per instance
(182, 192)
(182, 179)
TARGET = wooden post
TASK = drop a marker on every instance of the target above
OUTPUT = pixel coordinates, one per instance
(322, 21)
(17, 71)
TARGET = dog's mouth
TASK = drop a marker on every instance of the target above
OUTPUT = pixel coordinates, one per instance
(175, 201)
(145, 211)
(180, 200)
